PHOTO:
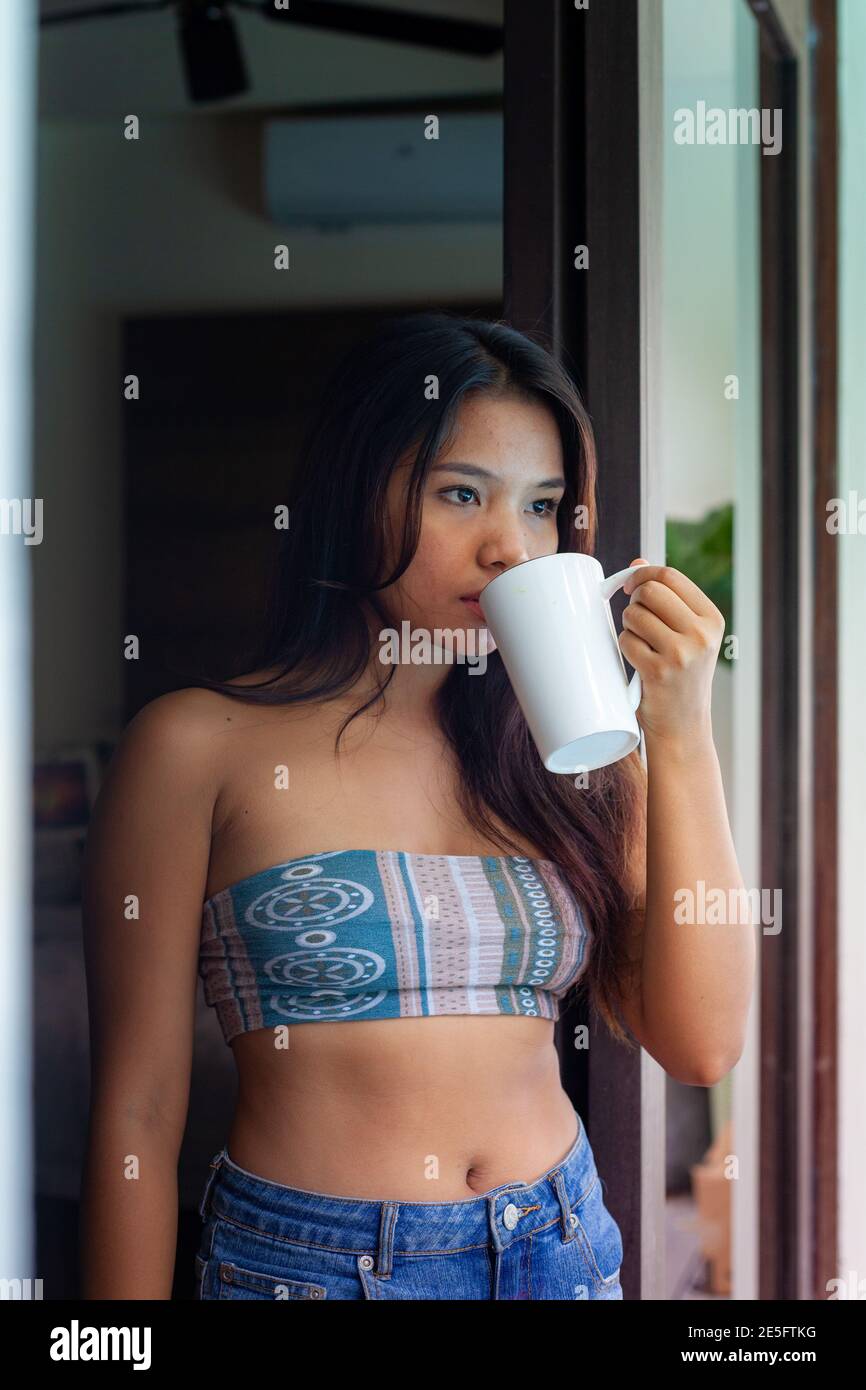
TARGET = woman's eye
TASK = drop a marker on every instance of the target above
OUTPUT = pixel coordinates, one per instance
(459, 489)
(549, 504)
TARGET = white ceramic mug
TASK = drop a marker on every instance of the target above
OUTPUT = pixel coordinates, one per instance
(551, 621)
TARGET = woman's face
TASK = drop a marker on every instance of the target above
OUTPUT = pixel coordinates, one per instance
(490, 502)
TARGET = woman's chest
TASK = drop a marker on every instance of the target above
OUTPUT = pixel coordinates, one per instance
(282, 798)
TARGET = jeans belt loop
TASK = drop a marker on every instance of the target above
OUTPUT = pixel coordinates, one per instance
(564, 1205)
(385, 1250)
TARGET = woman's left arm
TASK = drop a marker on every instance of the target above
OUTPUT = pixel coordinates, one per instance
(696, 976)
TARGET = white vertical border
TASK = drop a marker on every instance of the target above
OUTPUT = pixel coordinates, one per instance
(18, 32)
(747, 696)
(651, 157)
(794, 15)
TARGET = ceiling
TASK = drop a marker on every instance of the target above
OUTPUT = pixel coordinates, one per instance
(97, 68)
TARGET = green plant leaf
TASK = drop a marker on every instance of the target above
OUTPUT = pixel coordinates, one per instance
(703, 550)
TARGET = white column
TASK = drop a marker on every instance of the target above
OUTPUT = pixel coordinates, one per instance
(18, 35)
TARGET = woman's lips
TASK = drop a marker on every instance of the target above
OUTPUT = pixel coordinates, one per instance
(475, 606)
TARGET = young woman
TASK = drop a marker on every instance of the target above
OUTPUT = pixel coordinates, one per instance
(399, 900)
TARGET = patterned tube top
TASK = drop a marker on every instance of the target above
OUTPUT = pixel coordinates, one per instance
(365, 933)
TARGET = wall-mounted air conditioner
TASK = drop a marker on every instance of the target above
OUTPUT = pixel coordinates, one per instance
(337, 172)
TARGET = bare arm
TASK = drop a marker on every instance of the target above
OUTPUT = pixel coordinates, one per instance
(690, 1008)
(144, 883)
(690, 1011)
(697, 976)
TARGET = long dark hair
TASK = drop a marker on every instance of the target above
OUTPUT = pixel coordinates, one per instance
(398, 393)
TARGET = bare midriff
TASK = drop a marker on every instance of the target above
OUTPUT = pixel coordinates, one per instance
(434, 1109)
(413, 1109)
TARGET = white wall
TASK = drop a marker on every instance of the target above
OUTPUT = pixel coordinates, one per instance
(710, 300)
(168, 224)
(17, 194)
(700, 294)
(711, 447)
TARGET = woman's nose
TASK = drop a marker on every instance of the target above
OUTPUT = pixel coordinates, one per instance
(506, 547)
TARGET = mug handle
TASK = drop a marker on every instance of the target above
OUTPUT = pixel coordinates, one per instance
(609, 587)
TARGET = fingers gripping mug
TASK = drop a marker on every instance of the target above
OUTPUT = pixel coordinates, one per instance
(551, 621)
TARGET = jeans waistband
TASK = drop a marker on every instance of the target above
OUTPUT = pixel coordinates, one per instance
(505, 1214)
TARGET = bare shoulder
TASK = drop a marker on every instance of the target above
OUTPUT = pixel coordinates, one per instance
(181, 722)
(171, 749)
(196, 710)
(196, 733)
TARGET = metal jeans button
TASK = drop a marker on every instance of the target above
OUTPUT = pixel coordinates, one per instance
(366, 1261)
(510, 1216)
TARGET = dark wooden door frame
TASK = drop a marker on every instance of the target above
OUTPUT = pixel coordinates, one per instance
(798, 1187)
(825, 195)
(780, 1089)
(572, 176)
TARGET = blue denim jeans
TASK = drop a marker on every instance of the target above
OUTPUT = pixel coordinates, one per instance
(553, 1238)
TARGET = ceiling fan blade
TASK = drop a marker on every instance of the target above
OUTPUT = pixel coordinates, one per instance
(375, 22)
(369, 21)
(103, 11)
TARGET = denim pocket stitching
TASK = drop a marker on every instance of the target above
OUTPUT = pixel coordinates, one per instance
(256, 1282)
(369, 1279)
(588, 1254)
(200, 1267)
(491, 1266)
(281, 1241)
(579, 1201)
(204, 1253)
(214, 1223)
(601, 1279)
